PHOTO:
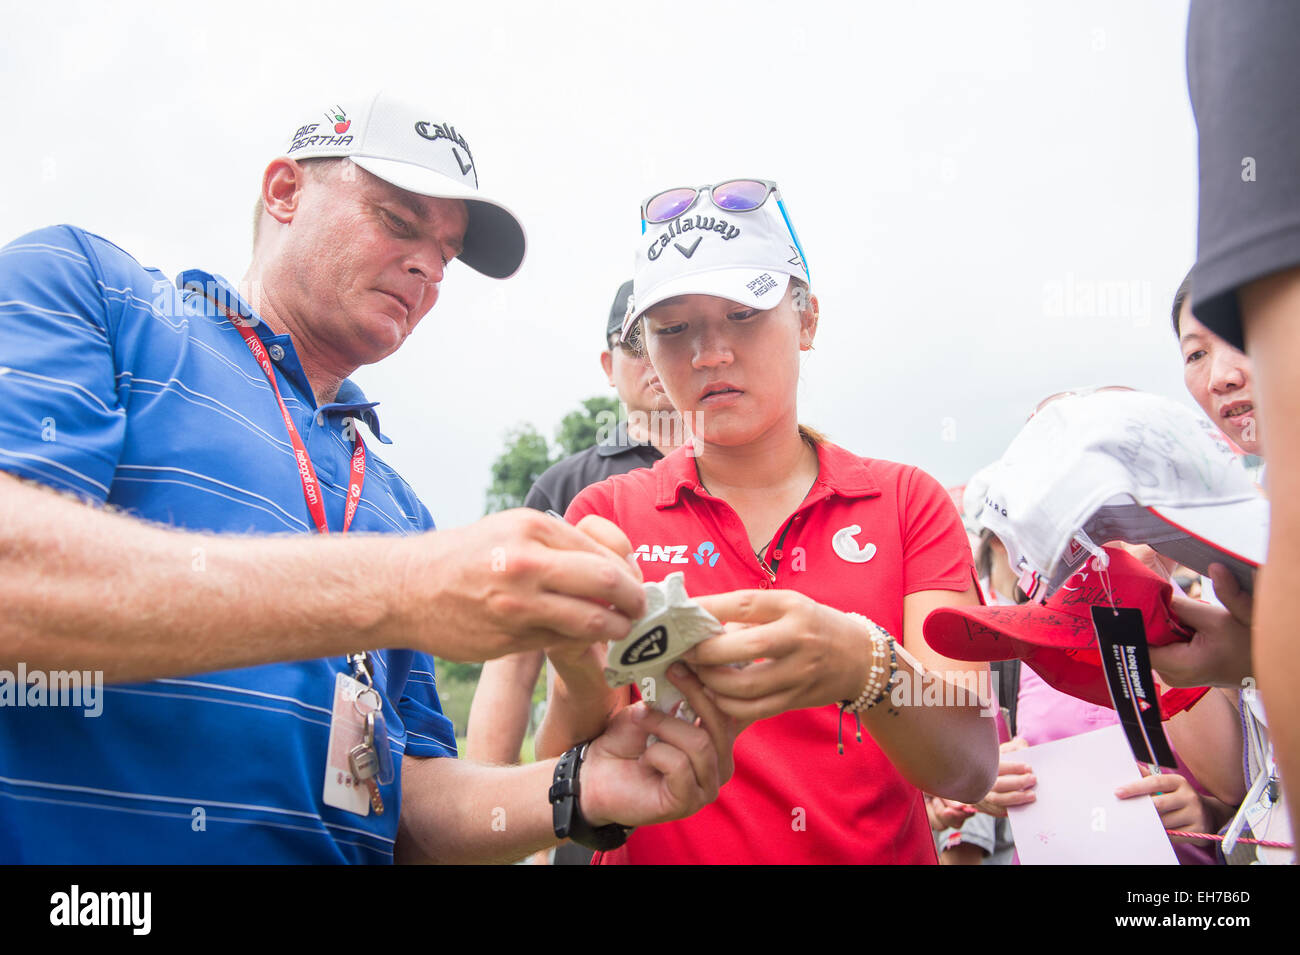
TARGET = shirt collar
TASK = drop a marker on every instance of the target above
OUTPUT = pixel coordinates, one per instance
(619, 442)
(838, 472)
(349, 399)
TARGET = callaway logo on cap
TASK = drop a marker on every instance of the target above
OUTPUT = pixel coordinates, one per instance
(415, 150)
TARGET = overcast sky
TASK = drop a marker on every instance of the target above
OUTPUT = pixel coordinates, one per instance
(997, 199)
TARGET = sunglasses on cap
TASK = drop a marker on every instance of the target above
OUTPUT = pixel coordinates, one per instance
(1082, 392)
(734, 195)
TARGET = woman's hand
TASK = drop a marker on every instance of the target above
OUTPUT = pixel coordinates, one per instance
(1180, 806)
(807, 654)
(722, 729)
(631, 780)
(1219, 652)
(945, 813)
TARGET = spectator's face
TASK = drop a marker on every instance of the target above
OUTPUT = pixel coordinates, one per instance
(1219, 378)
(734, 369)
(362, 261)
(634, 378)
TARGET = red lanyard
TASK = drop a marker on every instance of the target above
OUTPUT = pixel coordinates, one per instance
(310, 484)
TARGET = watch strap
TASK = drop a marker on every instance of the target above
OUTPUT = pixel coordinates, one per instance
(566, 812)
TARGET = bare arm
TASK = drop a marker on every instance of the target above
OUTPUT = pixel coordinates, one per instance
(499, 813)
(579, 703)
(963, 854)
(1271, 322)
(1208, 739)
(93, 589)
(961, 736)
(503, 699)
(86, 588)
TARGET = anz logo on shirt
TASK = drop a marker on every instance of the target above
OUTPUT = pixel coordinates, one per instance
(706, 555)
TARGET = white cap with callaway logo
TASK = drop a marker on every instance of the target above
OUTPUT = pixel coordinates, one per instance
(409, 147)
(1120, 465)
(746, 257)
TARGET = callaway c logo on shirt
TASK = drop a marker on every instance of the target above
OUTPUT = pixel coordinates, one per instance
(846, 548)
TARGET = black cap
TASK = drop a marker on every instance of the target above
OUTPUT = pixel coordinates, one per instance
(618, 311)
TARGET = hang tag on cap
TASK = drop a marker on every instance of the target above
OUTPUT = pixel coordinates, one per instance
(1121, 638)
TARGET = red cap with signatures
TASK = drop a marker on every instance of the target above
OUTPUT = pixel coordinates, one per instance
(1056, 637)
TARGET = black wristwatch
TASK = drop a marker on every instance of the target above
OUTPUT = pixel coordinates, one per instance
(567, 814)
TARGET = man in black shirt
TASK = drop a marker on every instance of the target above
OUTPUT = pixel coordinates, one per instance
(650, 428)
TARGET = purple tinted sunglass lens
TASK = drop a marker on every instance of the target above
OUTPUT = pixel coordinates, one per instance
(739, 195)
(669, 205)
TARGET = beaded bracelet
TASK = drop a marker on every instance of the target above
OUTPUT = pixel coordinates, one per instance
(879, 680)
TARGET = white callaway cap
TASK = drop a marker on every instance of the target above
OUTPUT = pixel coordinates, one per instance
(746, 257)
(1121, 465)
(414, 150)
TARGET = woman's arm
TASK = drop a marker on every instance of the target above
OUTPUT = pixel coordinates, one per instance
(579, 704)
(932, 727)
(498, 714)
(954, 746)
(1208, 739)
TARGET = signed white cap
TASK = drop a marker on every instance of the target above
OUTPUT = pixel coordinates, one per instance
(1121, 465)
(408, 146)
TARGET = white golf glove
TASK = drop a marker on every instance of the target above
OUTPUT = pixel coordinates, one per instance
(673, 623)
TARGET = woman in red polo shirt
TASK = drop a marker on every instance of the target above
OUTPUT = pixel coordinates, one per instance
(816, 558)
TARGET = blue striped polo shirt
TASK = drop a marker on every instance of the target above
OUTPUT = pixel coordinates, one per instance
(121, 388)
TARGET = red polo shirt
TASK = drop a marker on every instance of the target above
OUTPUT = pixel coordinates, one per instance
(793, 798)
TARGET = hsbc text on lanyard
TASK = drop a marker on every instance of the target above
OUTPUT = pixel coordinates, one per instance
(359, 756)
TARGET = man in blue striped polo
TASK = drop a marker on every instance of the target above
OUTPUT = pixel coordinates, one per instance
(258, 558)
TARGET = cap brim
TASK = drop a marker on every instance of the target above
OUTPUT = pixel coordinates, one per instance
(1238, 531)
(494, 239)
(1235, 534)
(1059, 651)
(731, 284)
(1003, 632)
